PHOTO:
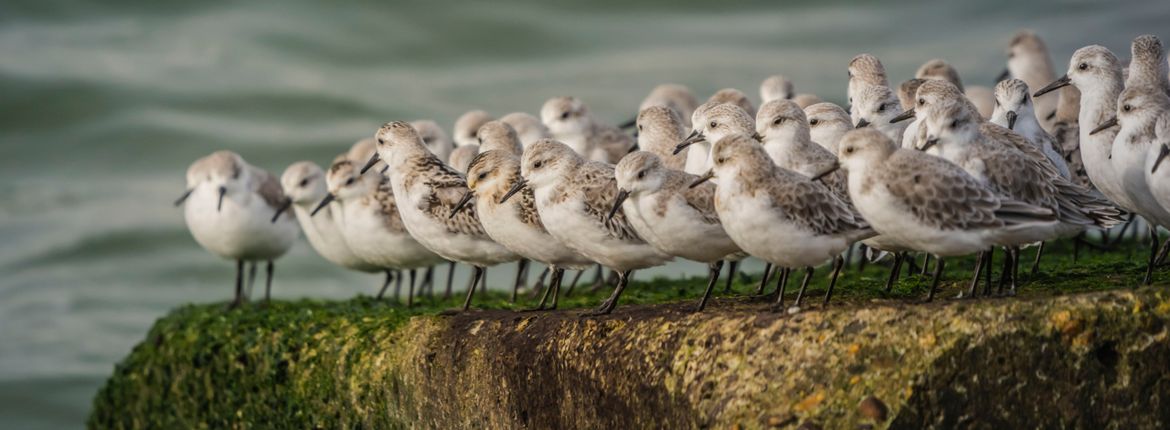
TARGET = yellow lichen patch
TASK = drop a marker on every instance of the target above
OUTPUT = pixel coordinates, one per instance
(853, 349)
(927, 340)
(854, 380)
(810, 402)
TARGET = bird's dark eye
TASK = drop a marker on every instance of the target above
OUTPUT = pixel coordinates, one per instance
(714, 124)
(474, 134)
(381, 141)
(480, 139)
(721, 160)
(349, 181)
(848, 149)
(641, 174)
(955, 124)
(881, 107)
(639, 127)
(565, 115)
(427, 140)
(778, 120)
(1083, 66)
(921, 101)
(304, 182)
(482, 175)
(537, 164)
(1127, 108)
(814, 121)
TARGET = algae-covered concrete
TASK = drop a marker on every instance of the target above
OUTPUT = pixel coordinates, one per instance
(1091, 360)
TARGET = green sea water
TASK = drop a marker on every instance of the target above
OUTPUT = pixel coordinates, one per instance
(104, 104)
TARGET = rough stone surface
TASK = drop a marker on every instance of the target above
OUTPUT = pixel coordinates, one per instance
(1093, 360)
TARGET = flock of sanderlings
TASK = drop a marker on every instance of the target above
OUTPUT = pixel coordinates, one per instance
(924, 167)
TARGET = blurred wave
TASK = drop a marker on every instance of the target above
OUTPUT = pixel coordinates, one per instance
(104, 105)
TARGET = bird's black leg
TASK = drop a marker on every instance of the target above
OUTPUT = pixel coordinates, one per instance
(938, 270)
(838, 263)
(483, 282)
(713, 270)
(1015, 270)
(521, 277)
(864, 260)
(555, 285)
(764, 279)
(576, 278)
(1153, 255)
(899, 258)
(450, 277)
(239, 299)
(732, 269)
(539, 286)
(980, 260)
(781, 285)
(1036, 263)
(251, 281)
(925, 264)
(988, 262)
(609, 304)
(268, 283)
(386, 284)
(410, 288)
(808, 272)
(476, 274)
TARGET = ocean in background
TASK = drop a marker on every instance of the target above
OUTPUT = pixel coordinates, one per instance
(104, 104)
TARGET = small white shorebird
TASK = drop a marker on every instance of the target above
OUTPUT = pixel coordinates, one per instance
(962, 216)
(427, 191)
(874, 107)
(672, 216)
(827, 122)
(573, 196)
(865, 70)
(776, 87)
(370, 223)
(982, 98)
(1134, 155)
(778, 215)
(713, 121)
(570, 122)
(659, 130)
(783, 130)
(1028, 61)
(677, 97)
(1014, 110)
(230, 206)
(304, 184)
(498, 136)
(1158, 175)
(466, 139)
(528, 127)
(515, 222)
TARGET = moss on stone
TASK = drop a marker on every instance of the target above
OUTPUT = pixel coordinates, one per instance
(1075, 352)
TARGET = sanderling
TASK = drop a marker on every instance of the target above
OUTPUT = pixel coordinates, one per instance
(528, 127)
(432, 135)
(1028, 61)
(573, 197)
(304, 184)
(1138, 110)
(827, 122)
(493, 136)
(515, 222)
(1147, 65)
(672, 216)
(1011, 166)
(1014, 110)
(776, 87)
(961, 216)
(230, 206)
(677, 97)
(1066, 132)
(783, 130)
(1096, 72)
(713, 121)
(570, 122)
(1158, 175)
(874, 107)
(427, 192)
(466, 140)
(698, 149)
(734, 97)
(369, 221)
(778, 215)
(659, 130)
(908, 93)
(939, 69)
(865, 70)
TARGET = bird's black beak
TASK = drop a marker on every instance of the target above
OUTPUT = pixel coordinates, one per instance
(384, 169)
(1061, 82)
(222, 192)
(369, 164)
(629, 124)
(909, 113)
(324, 202)
(929, 143)
(836, 166)
(1003, 75)
(1162, 153)
(1011, 116)
(695, 136)
(283, 207)
(862, 123)
(520, 184)
(1105, 126)
(706, 177)
(462, 202)
(617, 203)
(183, 197)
